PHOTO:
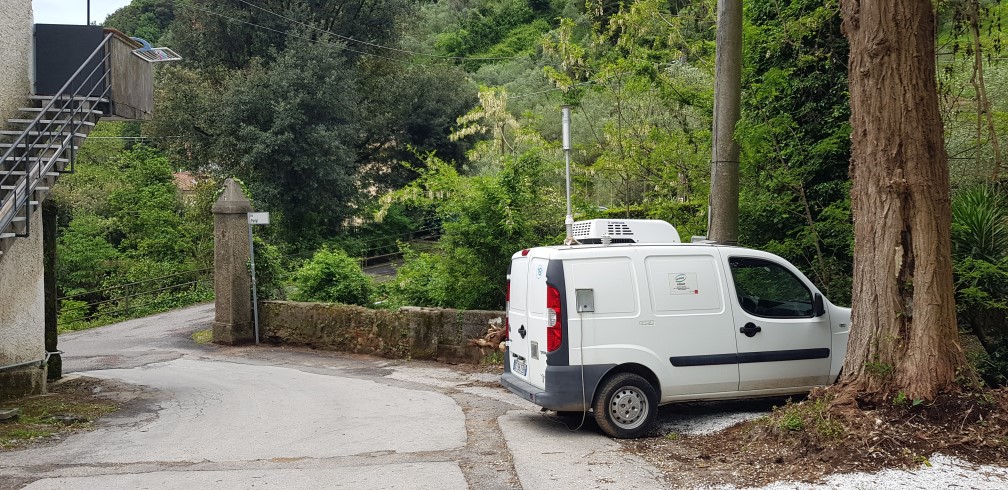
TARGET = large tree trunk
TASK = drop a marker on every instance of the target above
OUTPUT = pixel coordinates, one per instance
(903, 335)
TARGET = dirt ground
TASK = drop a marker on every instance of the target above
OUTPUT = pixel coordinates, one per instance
(809, 440)
(70, 406)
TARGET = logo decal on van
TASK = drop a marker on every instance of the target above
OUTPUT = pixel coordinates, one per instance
(539, 271)
(683, 283)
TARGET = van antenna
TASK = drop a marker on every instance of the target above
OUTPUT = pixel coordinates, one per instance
(569, 220)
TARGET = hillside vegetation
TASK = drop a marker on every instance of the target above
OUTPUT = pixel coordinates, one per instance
(363, 125)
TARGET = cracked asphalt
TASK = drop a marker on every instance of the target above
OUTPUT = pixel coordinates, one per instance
(202, 416)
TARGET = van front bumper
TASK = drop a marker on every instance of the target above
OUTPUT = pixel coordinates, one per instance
(563, 391)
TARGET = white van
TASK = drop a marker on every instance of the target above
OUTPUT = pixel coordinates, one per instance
(631, 319)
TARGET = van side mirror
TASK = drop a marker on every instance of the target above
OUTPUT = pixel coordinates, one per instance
(818, 306)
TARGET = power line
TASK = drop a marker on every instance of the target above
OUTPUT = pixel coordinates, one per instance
(288, 33)
(132, 137)
(379, 46)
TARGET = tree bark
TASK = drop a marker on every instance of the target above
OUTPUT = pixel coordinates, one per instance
(903, 336)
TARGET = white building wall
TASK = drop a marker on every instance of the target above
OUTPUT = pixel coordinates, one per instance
(22, 308)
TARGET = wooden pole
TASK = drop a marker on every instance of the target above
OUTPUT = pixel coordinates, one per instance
(722, 219)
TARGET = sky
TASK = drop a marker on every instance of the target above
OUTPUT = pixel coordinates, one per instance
(74, 11)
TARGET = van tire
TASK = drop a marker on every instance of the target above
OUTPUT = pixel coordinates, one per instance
(626, 406)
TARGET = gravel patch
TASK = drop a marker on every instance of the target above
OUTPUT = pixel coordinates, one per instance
(943, 472)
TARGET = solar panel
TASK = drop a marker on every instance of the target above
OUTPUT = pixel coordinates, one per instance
(157, 54)
(154, 55)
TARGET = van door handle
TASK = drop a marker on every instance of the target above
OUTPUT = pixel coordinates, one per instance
(750, 329)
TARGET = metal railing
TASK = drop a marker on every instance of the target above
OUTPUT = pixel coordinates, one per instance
(55, 130)
(124, 303)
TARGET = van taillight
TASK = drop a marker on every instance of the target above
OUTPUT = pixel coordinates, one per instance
(554, 324)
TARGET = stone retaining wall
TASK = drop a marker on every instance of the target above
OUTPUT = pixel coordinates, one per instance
(410, 332)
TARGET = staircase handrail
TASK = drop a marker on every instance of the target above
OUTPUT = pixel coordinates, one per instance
(8, 215)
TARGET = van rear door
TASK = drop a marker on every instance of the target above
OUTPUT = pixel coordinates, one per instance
(517, 313)
(535, 323)
(527, 319)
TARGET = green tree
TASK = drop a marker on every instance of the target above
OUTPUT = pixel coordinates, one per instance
(147, 19)
(231, 33)
(795, 136)
(485, 219)
(410, 109)
(291, 130)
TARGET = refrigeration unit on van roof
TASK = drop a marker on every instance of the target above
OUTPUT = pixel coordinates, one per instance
(625, 231)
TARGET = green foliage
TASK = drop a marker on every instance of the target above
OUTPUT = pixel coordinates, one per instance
(485, 220)
(980, 254)
(980, 223)
(296, 114)
(127, 243)
(230, 33)
(85, 255)
(147, 19)
(809, 415)
(410, 109)
(332, 276)
(879, 369)
(270, 273)
(794, 135)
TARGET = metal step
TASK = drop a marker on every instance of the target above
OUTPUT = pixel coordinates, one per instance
(21, 173)
(42, 144)
(92, 112)
(42, 133)
(51, 121)
(36, 159)
(10, 187)
(77, 98)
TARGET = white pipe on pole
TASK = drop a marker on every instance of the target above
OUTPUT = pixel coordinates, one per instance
(569, 219)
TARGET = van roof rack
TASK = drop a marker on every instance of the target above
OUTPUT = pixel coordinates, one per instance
(625, 231)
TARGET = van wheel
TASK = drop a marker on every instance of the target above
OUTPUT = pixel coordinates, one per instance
(626, 406)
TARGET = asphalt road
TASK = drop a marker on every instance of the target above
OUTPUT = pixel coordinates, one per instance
(207, 416)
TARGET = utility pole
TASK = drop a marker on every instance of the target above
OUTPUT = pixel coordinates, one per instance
(722, 217)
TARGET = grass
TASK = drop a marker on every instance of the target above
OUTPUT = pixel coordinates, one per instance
(495, 358)
(36, 419)
(812, 414)
(203, 336)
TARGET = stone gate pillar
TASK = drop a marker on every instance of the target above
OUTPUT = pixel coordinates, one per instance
(232, 282)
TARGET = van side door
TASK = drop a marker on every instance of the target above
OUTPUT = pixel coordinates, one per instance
(781, 343)
(692, 324)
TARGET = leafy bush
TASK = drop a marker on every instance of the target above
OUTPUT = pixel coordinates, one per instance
(980, 253)
(269, 270)
(332, 276)
(485, 219)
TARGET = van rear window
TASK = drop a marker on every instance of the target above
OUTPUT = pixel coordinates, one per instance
(519, 288)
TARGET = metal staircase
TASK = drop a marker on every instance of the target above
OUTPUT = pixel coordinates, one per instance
(42, 142)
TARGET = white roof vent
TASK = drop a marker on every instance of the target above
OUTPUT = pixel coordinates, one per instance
(625, 231)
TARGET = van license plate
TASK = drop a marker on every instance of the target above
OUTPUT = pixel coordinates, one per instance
(520, 367)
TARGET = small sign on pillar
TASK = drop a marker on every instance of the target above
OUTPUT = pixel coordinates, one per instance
(255, 219)
(258, 218)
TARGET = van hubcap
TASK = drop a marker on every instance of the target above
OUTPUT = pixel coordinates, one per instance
(628, 407)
